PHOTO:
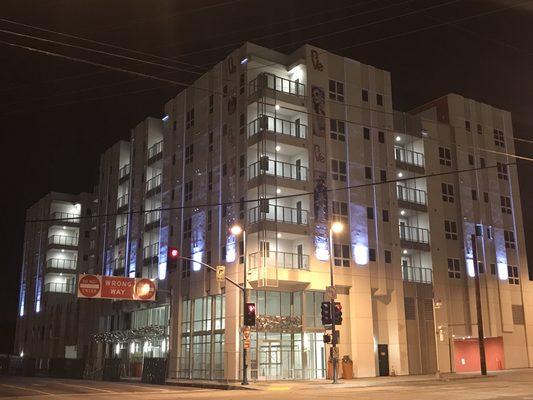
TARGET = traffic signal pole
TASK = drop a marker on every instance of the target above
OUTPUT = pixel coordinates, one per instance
(480, 333)
(332, 311)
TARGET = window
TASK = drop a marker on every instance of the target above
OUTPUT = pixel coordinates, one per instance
(482, 162)
(502, 171)
(241, 252)
(188, 191)
(242, 82)
(379, 99)
(368, 172)
(506, 205)
(493, 269)
(454, 270)
(445, 156)
(336, 90)
(383, 175)
(450, 229)
(225, 91)
(447, 193)
(388, 256)
(486, 197)
(499, 139)
(341, 255)
(518, 314)
(509, 239)
(467, 126)
(242, 163)
(338, 170)
(337, 130)
(189, 154)
(187, 228)
(385, 215)
(241, 208)
(479, 129)
(185, 268)
(366, 133)
(174, 125)
(340, 211)
(474, 194)
(470, 159)
(514, 278)
(490, 232)
(364, 95)
(241, 124)
(224, 169)
(370, 213)
(211, 104)
(481, 267)
(210, 180)
(210, 141)
(409, 308)
(372, 254)
(381, 137)
(209, 221)
(189, 118)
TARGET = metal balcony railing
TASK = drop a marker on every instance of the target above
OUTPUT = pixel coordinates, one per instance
(155, 149)
(121, 231)
(267, 80)
(151, 251)
(279, 169)
(414, 234)
(417, 274)
(153, 183)
(63, 240)
(409, 157)
(61, 263)
(152, 216)
(122, 201)
(277, 125)
(411, 195)
(55, 287)
(279, 214)
(279, 259)
(124, 171)
(65, 217)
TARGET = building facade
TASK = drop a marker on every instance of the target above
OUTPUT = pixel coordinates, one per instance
(283, 146)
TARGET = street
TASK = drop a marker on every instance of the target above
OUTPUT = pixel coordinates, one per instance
(506, 385)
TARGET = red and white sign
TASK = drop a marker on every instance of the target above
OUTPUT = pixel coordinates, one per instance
(116, 287)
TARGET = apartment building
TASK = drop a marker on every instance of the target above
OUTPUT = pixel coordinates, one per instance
(58, 244)
(283, 146)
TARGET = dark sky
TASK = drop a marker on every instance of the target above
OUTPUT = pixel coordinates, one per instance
(57, 116)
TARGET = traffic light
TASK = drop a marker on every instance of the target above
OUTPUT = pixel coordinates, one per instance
(249, 314)
(172, 258)
(337, 313)
(325, 309)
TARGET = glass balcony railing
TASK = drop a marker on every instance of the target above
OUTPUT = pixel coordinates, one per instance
(277, 125)
(121, 231)
(279, 259)
(266, 80)
(152, 216)
(151, 251)
(279, 169)
(417, 274)
(61, 263)
(155, 149)
(409, 157)
(414, 234)
(411, 195)
(279, 214)
(63, 240)
(153, 183)
(122, 201)
(65, 217)
(124, 171)
(55, 287)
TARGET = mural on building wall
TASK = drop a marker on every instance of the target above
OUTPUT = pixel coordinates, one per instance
(318, 100)
(317, 65)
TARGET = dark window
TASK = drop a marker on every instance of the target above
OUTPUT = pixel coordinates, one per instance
(337, 130)
(224, 169)
(509, 239)
(336, 90)
(241, 124)
(211, 104)
(379, 99)
(242, 163)
(381, 137)
(474, 194)
(450, 229)
(189, 154)
(388, 256)
(447, 193)
(372, 254)
(481, 162)
(467, 126)
(470, 159)
(370, 213)
(385, 214)
(188, 191)
(368, 172)
(479, 129)
(506, 205)
(493, 269)
(364, 94)
(499, 139)
(445, 156)
(514, 277)
(341, 255)
(486, 197)
(454, 270)
(338, 170)
(383, 175)
(210, 141)
(242, 82)
(366, 133)
(210, 180)
(189, 118)
(502, 171)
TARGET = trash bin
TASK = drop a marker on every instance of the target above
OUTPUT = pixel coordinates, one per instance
(347, 367)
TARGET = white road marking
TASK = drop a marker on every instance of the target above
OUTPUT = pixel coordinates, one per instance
(26, 388)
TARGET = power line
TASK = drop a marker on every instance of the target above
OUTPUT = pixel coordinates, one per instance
(236, 202)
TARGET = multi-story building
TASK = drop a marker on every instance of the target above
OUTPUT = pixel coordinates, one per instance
(58, 244)
(283, 146)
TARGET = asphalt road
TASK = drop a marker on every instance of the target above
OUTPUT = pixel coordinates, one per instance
(514, 385)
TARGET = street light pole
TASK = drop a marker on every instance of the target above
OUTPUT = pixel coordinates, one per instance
(480, 334)
(436, 304)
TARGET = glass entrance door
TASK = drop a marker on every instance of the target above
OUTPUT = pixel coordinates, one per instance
(270, 359)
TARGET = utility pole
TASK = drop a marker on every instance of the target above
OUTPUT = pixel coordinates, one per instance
(481, 336)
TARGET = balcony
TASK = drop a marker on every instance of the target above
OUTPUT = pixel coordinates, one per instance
(279, 259)
(155, 152)
(151, 253)
(278, 126)
(123, 173)
(277, 214)
(62, 240)
(409, 159)
(270, 81)
(55, 287)
(414, 237)
(122, 201)
(417, 274)
(118, 264)
(278, 169)
(153, 185)
(121, 232)
(152, 217)
(65, 218)
(411, 198)
(61, 263)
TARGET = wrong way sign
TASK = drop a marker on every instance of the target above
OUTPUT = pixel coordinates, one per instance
(116, 287)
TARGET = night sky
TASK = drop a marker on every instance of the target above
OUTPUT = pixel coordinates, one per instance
(57, 116)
